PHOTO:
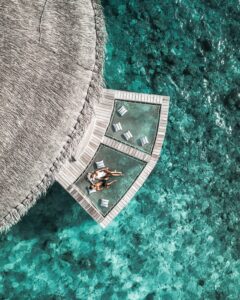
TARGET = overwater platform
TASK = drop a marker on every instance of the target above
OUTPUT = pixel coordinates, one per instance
(132, 147)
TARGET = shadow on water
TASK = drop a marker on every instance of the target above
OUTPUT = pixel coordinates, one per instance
(52, 213)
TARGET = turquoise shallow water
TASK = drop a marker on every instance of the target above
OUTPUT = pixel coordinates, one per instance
(180, 237)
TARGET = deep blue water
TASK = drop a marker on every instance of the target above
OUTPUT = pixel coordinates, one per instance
(180, 236)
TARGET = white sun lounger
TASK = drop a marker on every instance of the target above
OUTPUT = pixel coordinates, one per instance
(100, 164)
(144, 141)
(104, 202)
(122, 110)
(127, 135)
(117, 127)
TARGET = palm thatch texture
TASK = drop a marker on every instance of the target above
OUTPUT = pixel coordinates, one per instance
(50, 79)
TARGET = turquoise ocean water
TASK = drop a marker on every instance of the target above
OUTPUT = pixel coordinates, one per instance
(180, 236)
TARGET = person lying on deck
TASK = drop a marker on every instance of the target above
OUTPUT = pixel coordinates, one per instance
(102, 184)
(103, 173)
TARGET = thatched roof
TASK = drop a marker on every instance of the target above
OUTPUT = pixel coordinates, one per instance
(51, 55)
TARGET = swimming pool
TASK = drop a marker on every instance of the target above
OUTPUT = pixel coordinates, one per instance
(141, 120)
(115, 160)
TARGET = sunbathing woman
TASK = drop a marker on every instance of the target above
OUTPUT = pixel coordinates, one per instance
(103, 173)
(103, 184)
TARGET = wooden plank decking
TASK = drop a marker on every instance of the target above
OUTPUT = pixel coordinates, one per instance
(138, 97)
(96, 136)
(126, 149)
(90, 142)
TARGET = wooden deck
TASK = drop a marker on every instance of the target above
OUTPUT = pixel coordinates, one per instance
(96, 136)
(90, 142)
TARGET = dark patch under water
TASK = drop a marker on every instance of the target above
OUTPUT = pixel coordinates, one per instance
(180, 237)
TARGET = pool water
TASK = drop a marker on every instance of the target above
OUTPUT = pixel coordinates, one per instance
(115, 160)
(141, 119)
(179, 238)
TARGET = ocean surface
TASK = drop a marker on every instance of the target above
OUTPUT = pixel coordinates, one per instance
(179, 238)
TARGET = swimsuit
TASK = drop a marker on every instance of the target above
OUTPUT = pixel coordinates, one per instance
(104, 183)
(100, 175)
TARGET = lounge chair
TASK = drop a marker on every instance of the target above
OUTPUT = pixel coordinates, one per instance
(117, 127)
(104, 202)
(127, 135)
(100, 164)
(122, 110)
(144, 141)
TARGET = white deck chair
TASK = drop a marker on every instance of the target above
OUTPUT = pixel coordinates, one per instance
(100, 164)
(144, 141)
(104, 202)
(127, 135)
(117, 127)
(122, 110)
